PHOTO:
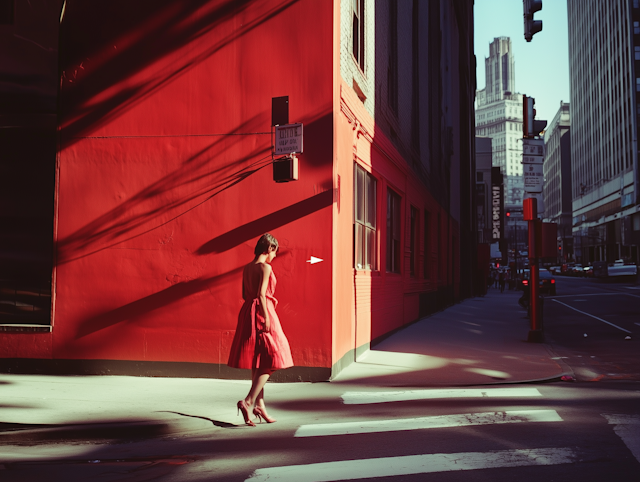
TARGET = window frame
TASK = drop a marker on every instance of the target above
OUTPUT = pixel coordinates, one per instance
(414, 241)
(426, 244)
(394, 233)
(7, 12)
(357, 32)
(365, 220)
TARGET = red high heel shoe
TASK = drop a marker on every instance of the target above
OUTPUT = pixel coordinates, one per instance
(262, 413)
(242, 407)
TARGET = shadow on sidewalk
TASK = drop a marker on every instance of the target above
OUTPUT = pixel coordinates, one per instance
(479, 341)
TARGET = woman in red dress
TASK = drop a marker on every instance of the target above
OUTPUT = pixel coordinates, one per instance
(259, 342)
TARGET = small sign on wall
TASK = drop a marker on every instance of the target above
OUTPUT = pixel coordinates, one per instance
(289, 139)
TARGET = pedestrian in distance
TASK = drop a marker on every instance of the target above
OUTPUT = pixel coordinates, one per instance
(495, 279)
(259, 342)
(507, 278)
(501, 281)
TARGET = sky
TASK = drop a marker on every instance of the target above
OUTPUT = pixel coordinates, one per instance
(542, 65)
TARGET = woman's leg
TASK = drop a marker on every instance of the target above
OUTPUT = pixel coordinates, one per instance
(260, 377)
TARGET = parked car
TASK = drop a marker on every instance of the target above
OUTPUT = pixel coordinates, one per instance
(554, 269)
(577, 270)
(547, 282)
(588, 271)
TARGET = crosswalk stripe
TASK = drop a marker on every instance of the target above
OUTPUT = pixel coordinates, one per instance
(627, 427)
(442, 421)
(360, 398)
(414, 464)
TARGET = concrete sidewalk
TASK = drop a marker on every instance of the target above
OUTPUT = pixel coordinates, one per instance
(479, 341)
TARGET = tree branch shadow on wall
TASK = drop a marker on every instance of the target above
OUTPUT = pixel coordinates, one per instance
(116, 225)
(136, 310)
(267, 223)
(105, 73)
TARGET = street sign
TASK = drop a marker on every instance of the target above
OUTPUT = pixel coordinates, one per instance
(533, 147)
(532, 159)
(533, 177)
(532, 151)
(289, 139)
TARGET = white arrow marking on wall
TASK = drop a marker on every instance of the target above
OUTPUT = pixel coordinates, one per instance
(314, 260)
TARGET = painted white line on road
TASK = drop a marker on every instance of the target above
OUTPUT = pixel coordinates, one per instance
(591, 294)
(637, 324)
(415, 464)
(593, 316)
(361, 398)
(627, 427)
(442, 421)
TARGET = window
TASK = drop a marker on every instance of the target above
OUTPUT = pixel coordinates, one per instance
(364, 224)
(413, 243)
(393, 232)
(358, 31)
(426, 271)
(440, 253)
(636, 28)
(392, 72)
(6, 12)
(415, 66)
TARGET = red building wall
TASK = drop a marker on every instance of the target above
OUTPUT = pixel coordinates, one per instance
(164, 183)
(163, 113)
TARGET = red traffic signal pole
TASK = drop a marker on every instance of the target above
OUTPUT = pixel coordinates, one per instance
(530, 211)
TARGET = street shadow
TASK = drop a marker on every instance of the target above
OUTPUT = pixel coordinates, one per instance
(217, 423)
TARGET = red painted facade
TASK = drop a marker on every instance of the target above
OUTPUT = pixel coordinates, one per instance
(163, 183)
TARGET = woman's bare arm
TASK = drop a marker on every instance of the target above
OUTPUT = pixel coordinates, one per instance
(262, 294)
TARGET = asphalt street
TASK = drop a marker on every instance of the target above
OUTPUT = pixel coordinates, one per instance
(595, 327)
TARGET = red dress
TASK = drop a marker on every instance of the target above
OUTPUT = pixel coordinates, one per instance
(252, 347)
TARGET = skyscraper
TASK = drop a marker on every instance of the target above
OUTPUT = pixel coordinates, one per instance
(557, 178)
(499, 116)
(499, 70)
(604, 50)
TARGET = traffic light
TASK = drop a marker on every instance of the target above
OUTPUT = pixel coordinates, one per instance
(508, 214)
(530, 126)
(531, 26)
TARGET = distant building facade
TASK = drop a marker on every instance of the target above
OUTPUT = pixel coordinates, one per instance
(604, 55)
(557, 176)
(483, 188)
(499, 116)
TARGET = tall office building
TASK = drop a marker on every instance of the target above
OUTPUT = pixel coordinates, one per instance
(604, 55)
(499, 116)
(557, 175)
